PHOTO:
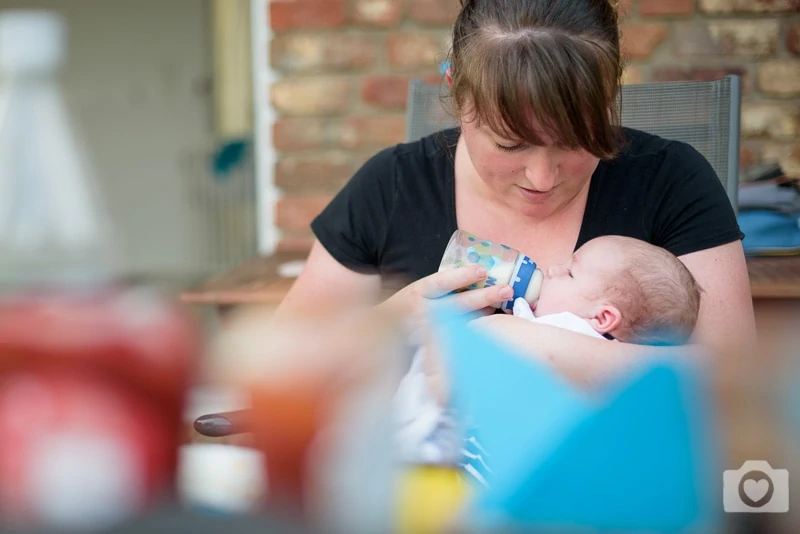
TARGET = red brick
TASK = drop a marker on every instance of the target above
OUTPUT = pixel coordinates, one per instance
(372, 132)
(390, 92)
(415, 49)
(624, 9)
(748, 6)
(296, 242)
(326, 171)
(640, 40)
(435, 12)
(311, 96)
(707, 74)
(793, 38)
(670, 74)
(306, 14)
(748, 156)
(385, 91)
(299, 133)
(715, 38)
(678, 74)
(319, 53)
(377, 12)
(780, 77)
(295, 212)
(656, 8)
(632, 75)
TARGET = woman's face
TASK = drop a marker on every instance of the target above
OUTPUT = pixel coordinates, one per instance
(536, 181)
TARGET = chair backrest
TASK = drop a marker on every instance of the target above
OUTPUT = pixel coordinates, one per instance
(703, 114)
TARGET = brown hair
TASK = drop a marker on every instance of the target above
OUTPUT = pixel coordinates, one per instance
(540, 69)
(656, 294)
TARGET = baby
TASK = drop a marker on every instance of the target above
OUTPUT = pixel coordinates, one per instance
(624, 289)
(615, 287)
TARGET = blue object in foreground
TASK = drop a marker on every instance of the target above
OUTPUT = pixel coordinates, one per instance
(519, 409)
(641, 459)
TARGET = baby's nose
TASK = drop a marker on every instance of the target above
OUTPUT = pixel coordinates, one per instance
(555, 270)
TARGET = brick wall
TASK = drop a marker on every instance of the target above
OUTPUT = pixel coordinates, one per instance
(344, 66)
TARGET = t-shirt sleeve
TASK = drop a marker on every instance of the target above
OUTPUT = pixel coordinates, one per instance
(690, 208)
(353, 226)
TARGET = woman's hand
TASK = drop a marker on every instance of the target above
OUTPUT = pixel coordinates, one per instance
(412, 303)
(413, 299)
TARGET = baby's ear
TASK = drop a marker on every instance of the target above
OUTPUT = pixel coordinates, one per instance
(607, 318)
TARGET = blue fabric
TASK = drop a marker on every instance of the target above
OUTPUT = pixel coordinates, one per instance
(770, 232)
(638, 457)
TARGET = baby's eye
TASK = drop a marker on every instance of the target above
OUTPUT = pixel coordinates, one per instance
(569, 272)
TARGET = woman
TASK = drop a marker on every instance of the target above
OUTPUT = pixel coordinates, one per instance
(538, 163)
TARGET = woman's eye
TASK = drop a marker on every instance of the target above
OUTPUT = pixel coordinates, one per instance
(513, 148)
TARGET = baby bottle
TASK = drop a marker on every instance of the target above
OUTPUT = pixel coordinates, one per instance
(503, 264)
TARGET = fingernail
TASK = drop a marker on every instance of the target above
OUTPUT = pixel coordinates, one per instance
(213, 425)
(480, 271)
(506, 293)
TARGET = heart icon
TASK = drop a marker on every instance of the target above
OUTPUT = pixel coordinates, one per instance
(756, 489)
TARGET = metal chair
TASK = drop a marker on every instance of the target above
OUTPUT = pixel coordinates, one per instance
(702, 114)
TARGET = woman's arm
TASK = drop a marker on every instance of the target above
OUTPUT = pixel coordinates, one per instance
(586, 361)
(725, 327)
(325, 286)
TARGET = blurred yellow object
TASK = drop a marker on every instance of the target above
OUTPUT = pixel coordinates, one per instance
(430, 497)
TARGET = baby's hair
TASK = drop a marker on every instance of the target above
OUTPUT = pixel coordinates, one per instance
(658, 297)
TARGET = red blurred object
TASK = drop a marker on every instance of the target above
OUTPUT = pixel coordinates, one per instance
(92, 387)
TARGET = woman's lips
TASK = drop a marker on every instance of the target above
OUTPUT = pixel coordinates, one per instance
(535, 196)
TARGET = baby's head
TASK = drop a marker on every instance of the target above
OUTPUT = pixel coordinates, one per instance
(627, 288)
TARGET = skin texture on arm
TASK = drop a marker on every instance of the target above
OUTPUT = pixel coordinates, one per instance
(725, 327)
(325, 285)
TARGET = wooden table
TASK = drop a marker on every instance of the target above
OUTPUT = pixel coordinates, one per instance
(254, 282)
(258, 282)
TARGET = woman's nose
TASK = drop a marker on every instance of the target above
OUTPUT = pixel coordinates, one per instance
(541, 169)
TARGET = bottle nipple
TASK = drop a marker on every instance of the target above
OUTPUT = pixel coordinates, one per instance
(534, 287)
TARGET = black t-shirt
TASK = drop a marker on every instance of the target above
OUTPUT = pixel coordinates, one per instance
(397, 213)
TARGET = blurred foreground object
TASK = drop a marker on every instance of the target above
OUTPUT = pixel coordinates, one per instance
(321, 388)
(221, 478)
(637, 456)
(92, 375)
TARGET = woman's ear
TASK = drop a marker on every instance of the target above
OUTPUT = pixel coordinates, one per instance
(607, 318)
(448, 75)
